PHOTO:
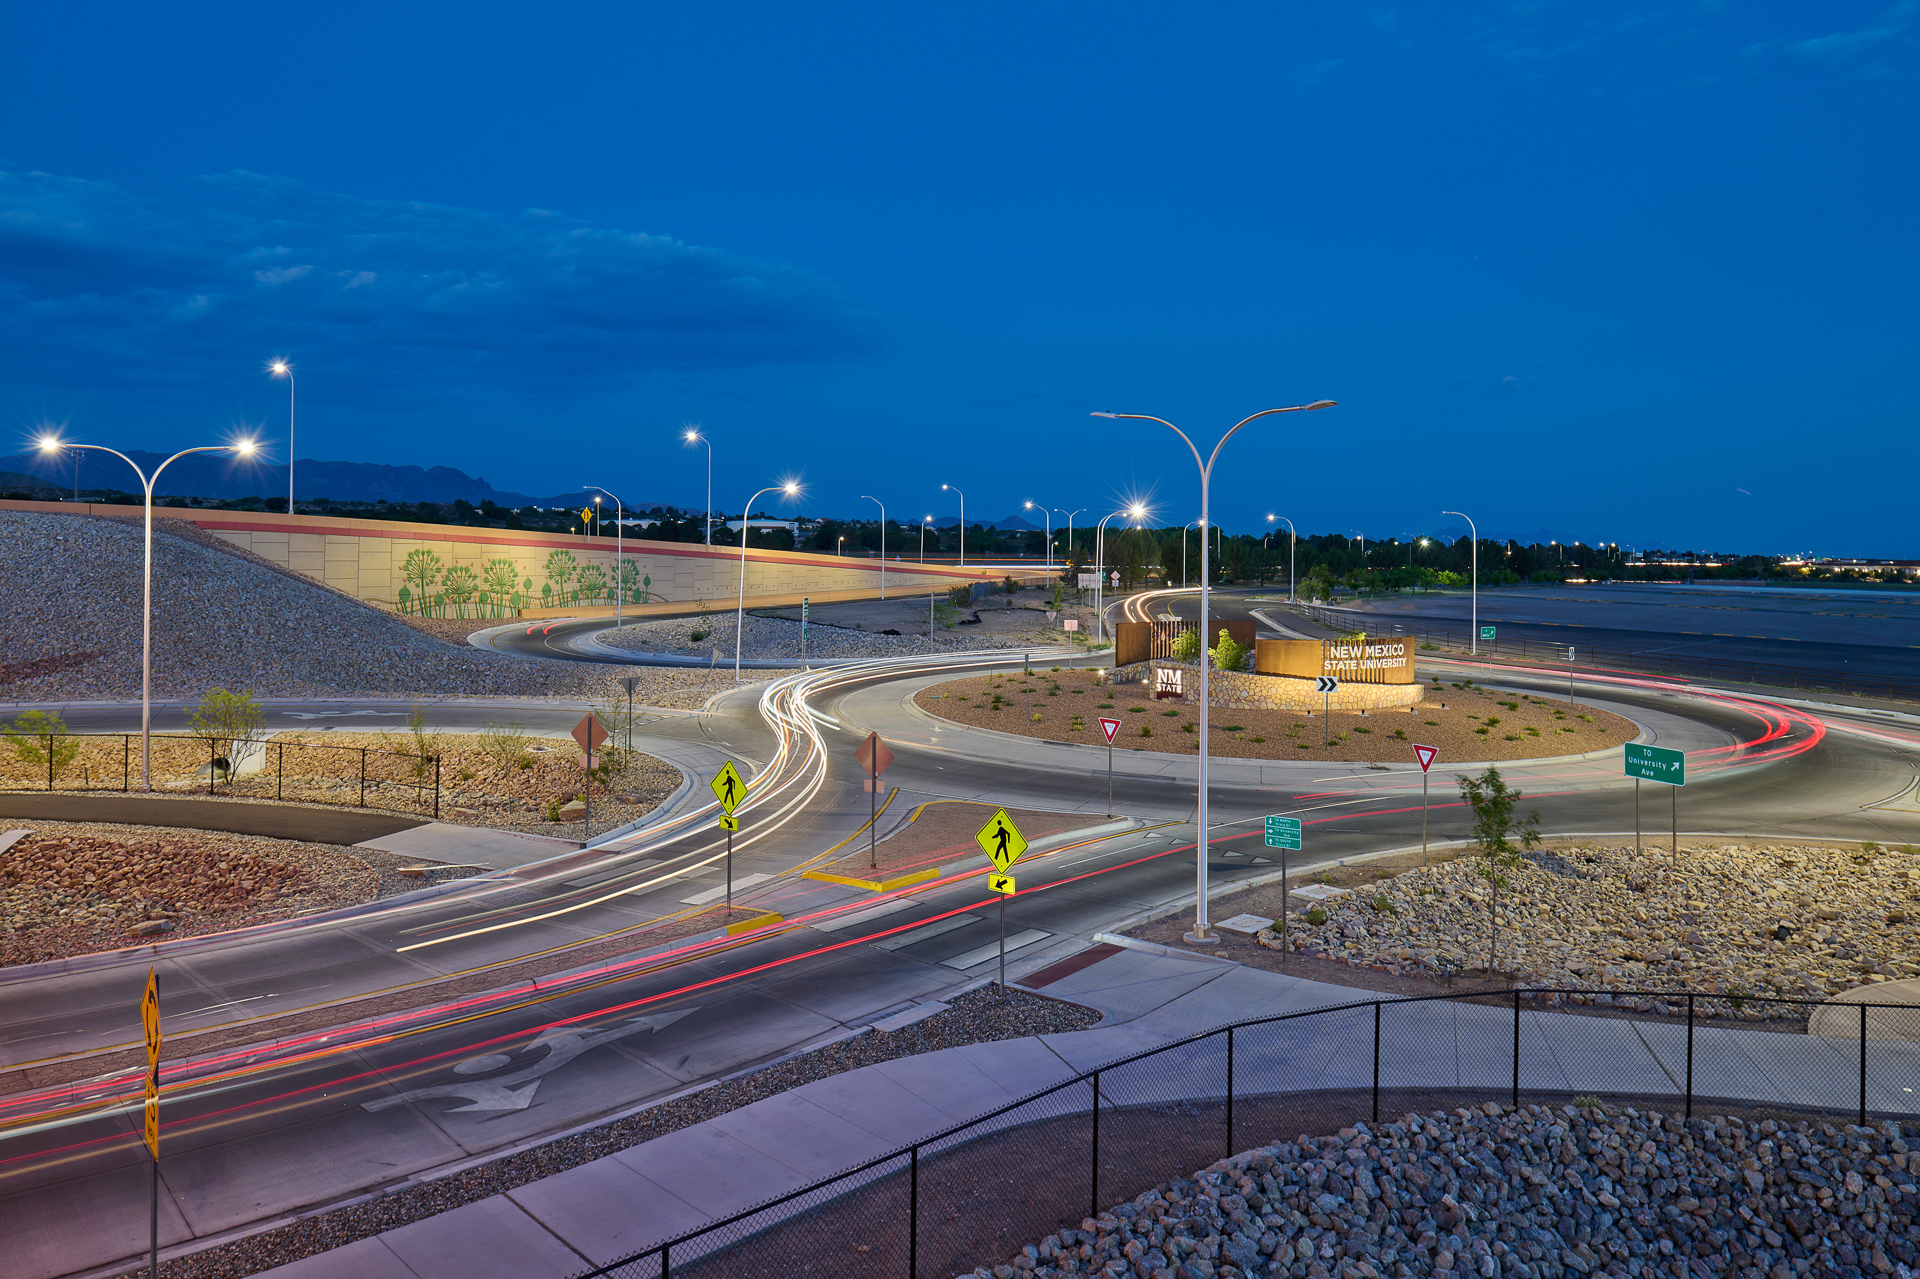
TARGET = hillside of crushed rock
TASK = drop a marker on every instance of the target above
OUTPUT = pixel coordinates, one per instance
(71, 613)
(1537, 1193)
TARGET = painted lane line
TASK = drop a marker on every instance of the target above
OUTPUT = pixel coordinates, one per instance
(981, 954)
(715, 894)
(927, 933)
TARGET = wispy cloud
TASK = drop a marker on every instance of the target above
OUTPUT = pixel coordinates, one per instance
(1838, 46)
(98, 286)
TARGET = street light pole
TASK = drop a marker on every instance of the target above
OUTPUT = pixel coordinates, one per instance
(1046, 515)
(883, 544)
(1100, 568)
(1473, 635)
(244, 448)
(1200, 931)
(619, 554)
(740, 604)
(693, 436)
(963, 523)
(1292, 538)
(280, 368)
(924, 523)
(1069, 515)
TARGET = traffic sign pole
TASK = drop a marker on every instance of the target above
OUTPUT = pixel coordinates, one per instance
(1003, 941)
(729, 872)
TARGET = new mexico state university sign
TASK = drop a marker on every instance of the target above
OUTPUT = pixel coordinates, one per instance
(1367, 662)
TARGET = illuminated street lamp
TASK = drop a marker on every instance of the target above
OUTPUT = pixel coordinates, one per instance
(243, 448)
(926, 523)
(963, 522)
(1292, 538)
(740, 607)
(1135, 512)
(279, 369)
(1048, 517)
(1200, 929)
(619, 554)
(692, 436)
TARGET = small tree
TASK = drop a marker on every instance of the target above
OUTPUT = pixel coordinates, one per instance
(1186, 645)
(1227, 655)
(1494, 831)
(224, 720)
(35, 736)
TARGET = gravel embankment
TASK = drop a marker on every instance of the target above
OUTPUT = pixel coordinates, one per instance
(777, 637)
(1593, 917)
(1537, 1193)
(982, 1015)
(71, 615)
(78, 888)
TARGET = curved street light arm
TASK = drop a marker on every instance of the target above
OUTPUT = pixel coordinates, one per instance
(740, 603)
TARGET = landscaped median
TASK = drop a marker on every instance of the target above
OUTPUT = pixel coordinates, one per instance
(1463, 719)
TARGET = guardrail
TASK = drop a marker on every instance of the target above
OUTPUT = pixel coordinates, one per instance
(1663, 663)
(976, 1192)
(307, 772)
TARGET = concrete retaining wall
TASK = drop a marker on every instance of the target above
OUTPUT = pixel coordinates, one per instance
(459, 571)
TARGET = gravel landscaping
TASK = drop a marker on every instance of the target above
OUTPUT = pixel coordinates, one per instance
(982, 1015)
(1464, 721)
(1593, 917)
(1538, 1193)
(78, 888)
(223, 618)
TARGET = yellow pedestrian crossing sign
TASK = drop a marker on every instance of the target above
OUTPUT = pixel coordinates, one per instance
(998, 883)
(150, 1024)
(1001, 840)
(729, 822)
(728, 788)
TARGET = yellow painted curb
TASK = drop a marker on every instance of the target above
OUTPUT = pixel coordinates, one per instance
(874, 885)
(748, 925)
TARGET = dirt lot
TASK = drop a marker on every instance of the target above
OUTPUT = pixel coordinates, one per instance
(76, 888)
(504, 780)
(1464, 720)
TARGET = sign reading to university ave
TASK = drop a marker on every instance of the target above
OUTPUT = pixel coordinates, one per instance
(1656, 764)
(1283, 832)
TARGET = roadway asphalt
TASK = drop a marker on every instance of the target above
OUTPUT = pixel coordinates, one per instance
(292, 1129)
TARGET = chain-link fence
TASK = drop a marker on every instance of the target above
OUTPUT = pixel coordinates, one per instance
(978, 1192)
(304, 772)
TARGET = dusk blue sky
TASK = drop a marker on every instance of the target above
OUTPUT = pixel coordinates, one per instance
(1602, 272)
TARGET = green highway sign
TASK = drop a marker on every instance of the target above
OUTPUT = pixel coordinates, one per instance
(1486, 632)
(1656, 764)
(1283, 832)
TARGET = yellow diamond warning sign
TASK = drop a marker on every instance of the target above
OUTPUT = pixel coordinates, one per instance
(150, 1023)
(728, 788)
(1001, 840)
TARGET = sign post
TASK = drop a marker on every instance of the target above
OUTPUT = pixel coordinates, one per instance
(1656, 764)
(589, 732)
(1283, 833)
(1111, 727)
(630, 683)
(150, 1025)
(1003, 844)
(874, 758)
(1325, 686)
(1426, 755)
(729, 789)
